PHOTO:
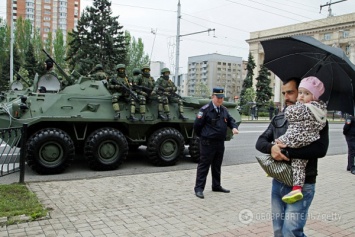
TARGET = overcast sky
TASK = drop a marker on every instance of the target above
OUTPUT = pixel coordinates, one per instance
(155, 21)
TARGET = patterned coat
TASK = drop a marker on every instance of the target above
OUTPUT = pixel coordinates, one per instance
(305, 122)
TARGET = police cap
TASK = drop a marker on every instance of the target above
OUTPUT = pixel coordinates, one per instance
(219, 92)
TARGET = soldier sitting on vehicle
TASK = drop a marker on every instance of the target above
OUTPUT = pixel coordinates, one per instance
(143, 84)
(120, 87)
(98, 73)
(166, 91)
(50, 80)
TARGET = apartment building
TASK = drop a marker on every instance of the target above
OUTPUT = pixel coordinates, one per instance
(335, 31)
(214, 70)
(46, 15)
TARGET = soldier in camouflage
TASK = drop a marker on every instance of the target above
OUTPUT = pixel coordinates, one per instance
(166, 90)
(143, 84)
(98, 73)
(120, 87)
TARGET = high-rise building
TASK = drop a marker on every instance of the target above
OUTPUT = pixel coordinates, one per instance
(211, 70)
(46, 15)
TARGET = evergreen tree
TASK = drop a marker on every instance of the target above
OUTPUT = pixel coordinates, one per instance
(4, 43)
(136, 57)
(5, 72)
(98, 39)
(247, 83)
(263, 90)
(30, 62)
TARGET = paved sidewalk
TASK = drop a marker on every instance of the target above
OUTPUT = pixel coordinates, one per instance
(164, 204)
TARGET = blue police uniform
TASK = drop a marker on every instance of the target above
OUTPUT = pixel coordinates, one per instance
(211, 127)
(349, 132)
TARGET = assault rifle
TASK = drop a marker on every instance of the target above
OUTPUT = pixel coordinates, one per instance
(125, 88)
(143, 88)
(68, 78)
(172, 93)
(21, 78)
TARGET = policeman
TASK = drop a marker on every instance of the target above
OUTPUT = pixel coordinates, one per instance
(349, 132)
(98, 73)
(211, 126)
(121, 88)
(166, 91)
(143, 85)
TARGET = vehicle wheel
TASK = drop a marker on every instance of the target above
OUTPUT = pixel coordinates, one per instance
(105, 149)
(165, 147)
(194, 149)
(50, 151)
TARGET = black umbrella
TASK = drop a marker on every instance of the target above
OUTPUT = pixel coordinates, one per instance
(302, 56)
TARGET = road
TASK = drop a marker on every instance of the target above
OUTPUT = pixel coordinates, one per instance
(240, 150)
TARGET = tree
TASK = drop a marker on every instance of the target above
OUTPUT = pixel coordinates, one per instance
(37, 49)
(4, 43)
(23, 35)
(263, 90)
(30, 62)
(136, 57)
(248, 82)
(5, 72)
(98, 39)
(59, 49)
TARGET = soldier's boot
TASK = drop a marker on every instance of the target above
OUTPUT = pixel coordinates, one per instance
(168, 116)
(116, 108)
(167, 111)
(142, 118)
(117, 116)
(161, 116)
(133, 118)
(142, 112)
(181, 116)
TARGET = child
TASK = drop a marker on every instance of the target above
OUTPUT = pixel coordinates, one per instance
(306, 118)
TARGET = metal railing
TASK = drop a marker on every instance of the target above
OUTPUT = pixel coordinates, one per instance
(12, 142)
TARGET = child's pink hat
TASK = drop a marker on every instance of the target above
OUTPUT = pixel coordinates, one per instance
(314, 85)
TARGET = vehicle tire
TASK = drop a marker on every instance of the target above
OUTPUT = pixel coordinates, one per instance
(194, 149)
(165, 147)
(105, 149)
(50, 151)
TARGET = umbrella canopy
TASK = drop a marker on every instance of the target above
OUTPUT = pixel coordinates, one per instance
(302, 56)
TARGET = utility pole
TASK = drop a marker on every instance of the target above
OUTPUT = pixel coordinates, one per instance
(177, 56)
(329, 6)
(178, 36)
(12, 43)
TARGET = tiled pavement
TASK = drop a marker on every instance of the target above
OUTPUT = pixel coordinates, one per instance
(164, 204)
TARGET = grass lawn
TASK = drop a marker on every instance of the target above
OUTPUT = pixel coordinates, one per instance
(16, 200)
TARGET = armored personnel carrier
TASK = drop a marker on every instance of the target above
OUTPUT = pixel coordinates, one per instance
(79, 120)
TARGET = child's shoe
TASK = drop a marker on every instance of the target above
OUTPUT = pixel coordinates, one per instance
(293, 196)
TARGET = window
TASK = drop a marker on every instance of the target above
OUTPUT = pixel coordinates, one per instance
(327, 36)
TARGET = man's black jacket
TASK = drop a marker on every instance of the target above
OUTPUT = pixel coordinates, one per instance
(312, 152)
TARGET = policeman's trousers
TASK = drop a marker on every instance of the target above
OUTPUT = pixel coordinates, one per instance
(211, 155)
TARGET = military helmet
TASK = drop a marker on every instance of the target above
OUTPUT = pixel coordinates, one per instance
(98, 67)
(165, 70)
(136, 71)
(120, 66)
(145, 67)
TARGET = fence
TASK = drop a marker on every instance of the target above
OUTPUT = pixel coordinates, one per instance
(12, 147)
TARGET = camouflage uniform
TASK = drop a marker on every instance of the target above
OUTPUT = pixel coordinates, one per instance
(167, 88)
(143, 84)
(118, 92)
(99, 74)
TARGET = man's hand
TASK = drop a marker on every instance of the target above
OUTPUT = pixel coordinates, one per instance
(276, 153)
(153, 93)
(235, 131)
